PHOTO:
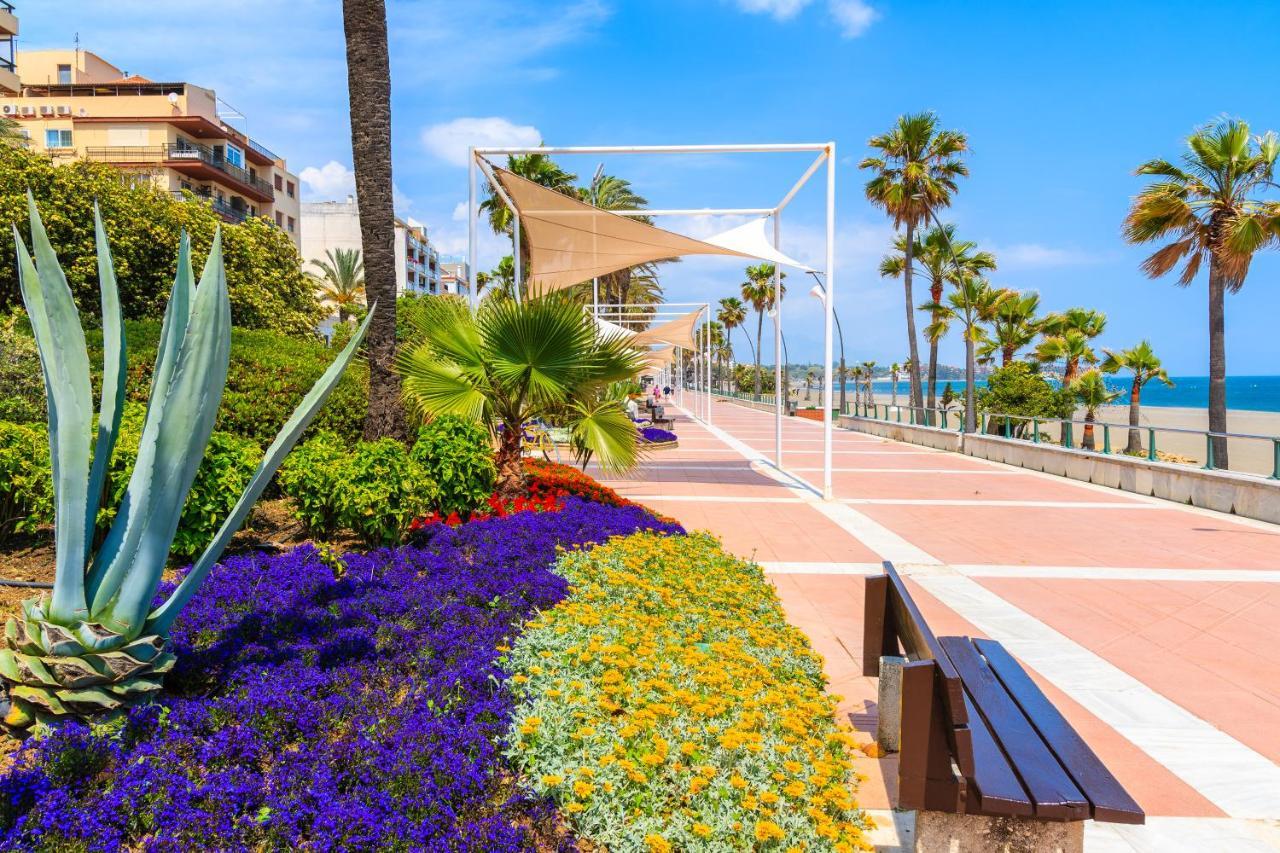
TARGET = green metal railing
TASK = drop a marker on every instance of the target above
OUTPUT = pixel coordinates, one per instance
(1016, 428)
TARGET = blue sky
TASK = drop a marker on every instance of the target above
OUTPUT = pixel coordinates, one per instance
(1060, 103)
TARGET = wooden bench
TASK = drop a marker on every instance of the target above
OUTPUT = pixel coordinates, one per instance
(978, 736)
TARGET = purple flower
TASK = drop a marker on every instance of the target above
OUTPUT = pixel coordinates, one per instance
(328, 711)
(654, 435)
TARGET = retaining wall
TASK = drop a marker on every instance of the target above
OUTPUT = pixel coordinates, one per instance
(940, 439)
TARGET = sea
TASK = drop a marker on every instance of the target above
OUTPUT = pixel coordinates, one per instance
(1244, 393)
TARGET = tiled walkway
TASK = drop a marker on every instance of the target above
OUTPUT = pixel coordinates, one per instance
(1153, 626)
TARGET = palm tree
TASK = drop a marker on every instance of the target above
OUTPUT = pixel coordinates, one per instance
(500, 282)
(971, 302)
(1145, 365)
(940, 258)
(1091, 390)
(1014, 325)
(341, 280)
(894, 370)
(364, 23)
(1209, 209)
(868, 372)
(731, 315)
(513, 362)
(1066, 338)
(609, 192)
(808, 384)
(915, 172)
(757, 291)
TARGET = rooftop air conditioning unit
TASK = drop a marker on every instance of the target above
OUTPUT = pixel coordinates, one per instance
(46, 110)
(9, 109)
(27, 111)
(64, 110)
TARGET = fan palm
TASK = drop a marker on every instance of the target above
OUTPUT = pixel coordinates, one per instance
(1208, 208)
(732, 315)
(1090, 388)
(1015, 324)
(972, 301)
(758, 292)
(341, 280)
(868, 372)
(1066, 338)
(894, 370)
(940, 258)
(915, 171)
(1145, 365)
(513, 362)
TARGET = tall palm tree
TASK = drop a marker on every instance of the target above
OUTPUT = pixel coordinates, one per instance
(500, 282)
(894, 370)
(364, 23)
(609, 192)
(1145, 365)
(808, 384)
(733, 314)
(1014, 325)
(1066, 337)
(915, 171)
(341, 280)
(1091, 390)
(512, 362)
(1208, 207)
(971, 302)
(940, 258)
(757, 291)
(868, 372)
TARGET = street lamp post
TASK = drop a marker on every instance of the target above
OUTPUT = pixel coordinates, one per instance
(820, 293)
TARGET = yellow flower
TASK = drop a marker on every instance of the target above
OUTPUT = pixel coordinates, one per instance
(582, 789)
(701, 830)
(767, 830)
(738, 782)
(574, 808)
(795, 789)
(657, 844)
(551, 780)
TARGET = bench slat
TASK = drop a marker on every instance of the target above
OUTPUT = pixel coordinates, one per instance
(1055, 796)
(995, 789)
(920, 643)
(1111, 802)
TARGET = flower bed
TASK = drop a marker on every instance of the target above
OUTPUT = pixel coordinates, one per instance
(324, 705)
(655, 438)
(666, 703)
(552, 478)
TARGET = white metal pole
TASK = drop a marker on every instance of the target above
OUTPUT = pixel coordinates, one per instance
(515, 251)
(595, 296)
(472, 273)
(778, 401)
(707, 335)
(830, 315)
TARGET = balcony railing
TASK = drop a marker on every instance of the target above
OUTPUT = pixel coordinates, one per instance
(220, 206)
(263, 150)
(177, 152)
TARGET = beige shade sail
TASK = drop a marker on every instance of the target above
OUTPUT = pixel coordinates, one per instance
(678, 332)
(571, 241)
(662, 355)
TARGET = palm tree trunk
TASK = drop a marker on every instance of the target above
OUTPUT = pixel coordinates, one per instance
(1006, 356)
(894, 389)
(913, 350)
(970, 371)
(1087, 443)
(1135, 437)
(933, 378)
(510, 463)
(1217, 364)
(369, 84)
(759, 331)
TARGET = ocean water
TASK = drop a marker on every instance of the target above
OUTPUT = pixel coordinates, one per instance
(1245, 393)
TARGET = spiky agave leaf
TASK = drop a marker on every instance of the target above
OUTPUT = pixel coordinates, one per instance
(64, 360)
(160, 621)
(114, 368)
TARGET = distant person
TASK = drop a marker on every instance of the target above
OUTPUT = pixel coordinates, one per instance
(633, 409)
(666, 390)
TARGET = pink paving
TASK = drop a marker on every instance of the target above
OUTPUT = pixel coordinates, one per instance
(1206, 646)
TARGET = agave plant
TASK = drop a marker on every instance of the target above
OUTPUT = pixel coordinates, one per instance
(96, 645)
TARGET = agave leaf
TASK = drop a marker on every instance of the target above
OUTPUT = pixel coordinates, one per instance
(120, 538)
(160, 621)
(114, 368)
(174, 438)
(64, 360)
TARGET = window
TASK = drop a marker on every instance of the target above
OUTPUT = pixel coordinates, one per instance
(235, 156)
(57, 139)
(291, 223)
(291, 189)
(279, 219)
(279, 183)
(64, 73)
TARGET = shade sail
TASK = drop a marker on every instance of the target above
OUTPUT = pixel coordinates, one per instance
(750, 239)
(678, 332)
(571, 242)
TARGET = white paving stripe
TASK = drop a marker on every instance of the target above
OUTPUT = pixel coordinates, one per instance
(979, 473)
(718, 499)
(1122, 573)
(999, 503)
(777, 568)
(1235, 778)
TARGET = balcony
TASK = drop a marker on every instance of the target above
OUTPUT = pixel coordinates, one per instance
(198, 161)
(227, 211)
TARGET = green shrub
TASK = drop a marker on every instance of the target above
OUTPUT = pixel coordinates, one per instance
(1017, 389)
(26, 481)
(26, 485)
(456, 454)
(21, 382)
(268, 376)
(372, 488)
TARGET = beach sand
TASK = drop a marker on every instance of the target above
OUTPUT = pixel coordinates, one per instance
(1254, 456)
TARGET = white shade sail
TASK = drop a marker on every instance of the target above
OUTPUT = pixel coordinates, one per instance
(678, 332)
(750, 239)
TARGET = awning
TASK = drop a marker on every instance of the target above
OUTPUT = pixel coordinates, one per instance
(750, 239)
(571, 242)
(678, 332)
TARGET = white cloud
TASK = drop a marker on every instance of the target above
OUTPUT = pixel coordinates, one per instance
(459, 212)
(449, 140)
(780, 10)
(1038, 256)
(852, 16)
(331, 181)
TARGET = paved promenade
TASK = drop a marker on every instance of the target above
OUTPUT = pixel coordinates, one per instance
(1153, 626)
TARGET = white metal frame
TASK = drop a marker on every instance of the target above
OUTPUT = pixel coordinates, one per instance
(826, 151)
(616, 313)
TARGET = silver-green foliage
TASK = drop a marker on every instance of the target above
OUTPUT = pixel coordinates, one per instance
(65, 655)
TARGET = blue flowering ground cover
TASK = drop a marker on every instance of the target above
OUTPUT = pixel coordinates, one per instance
(656, 435)
(324, 705)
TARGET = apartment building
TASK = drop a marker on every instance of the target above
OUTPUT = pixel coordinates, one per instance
(74, 104)
(330, 225)
(455, 276)
(9, 84)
